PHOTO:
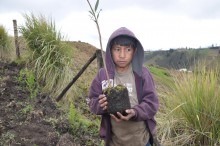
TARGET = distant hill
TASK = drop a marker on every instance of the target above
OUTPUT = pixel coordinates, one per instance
(180, 58)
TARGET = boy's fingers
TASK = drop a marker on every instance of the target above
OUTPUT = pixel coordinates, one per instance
(105, 107)
(102, 104)
(102, 101)
(119, 114)
(101, 96)
(115, 118)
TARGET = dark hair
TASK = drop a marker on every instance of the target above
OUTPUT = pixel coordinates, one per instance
(123, 40)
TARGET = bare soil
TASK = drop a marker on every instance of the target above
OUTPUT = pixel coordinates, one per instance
(29, 122)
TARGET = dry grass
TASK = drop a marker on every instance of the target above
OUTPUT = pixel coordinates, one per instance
(189, 113)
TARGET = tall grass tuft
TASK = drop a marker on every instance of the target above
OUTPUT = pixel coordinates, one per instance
(190, 114)
(50, 53)
(4, 42)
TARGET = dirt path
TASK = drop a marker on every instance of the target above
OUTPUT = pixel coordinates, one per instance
(25, 121)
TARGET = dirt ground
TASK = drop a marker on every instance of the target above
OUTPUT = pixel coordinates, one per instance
(29, 122)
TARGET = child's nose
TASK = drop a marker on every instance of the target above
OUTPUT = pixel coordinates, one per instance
(122, 53)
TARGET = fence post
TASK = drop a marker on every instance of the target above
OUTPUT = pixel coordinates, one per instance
(16, 38)
(99, 59)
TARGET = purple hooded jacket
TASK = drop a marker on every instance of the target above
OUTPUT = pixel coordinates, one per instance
(147, 98)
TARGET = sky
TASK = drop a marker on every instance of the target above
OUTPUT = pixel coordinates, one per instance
(158, 24)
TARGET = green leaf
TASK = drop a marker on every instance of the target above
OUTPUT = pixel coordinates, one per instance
(96, 5)
(98, 14)
(91, 12)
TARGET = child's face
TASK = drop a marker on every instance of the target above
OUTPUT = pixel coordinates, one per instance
(122, 57)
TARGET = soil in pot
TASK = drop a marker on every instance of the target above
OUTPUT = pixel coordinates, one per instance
(118, 99)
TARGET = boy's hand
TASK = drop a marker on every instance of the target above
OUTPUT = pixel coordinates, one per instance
(103, 101)
(130, 114)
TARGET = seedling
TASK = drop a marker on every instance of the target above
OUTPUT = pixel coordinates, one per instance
(117, 97)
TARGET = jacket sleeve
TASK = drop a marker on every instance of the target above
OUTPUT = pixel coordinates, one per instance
(148, 106)
(94, 92)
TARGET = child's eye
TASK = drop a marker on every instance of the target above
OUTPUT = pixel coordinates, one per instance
(117, 49)
(128, 49)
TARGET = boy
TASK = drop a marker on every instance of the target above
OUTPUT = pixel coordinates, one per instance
(124, 62)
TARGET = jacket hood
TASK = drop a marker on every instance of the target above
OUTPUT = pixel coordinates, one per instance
(138, 57)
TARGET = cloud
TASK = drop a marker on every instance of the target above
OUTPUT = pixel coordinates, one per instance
(197, 9)
(55, 9)
(158, 24)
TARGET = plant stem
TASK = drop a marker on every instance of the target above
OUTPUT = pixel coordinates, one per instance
(100, 38)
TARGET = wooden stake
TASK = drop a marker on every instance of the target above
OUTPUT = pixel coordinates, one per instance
(76, 77)
(16, 38)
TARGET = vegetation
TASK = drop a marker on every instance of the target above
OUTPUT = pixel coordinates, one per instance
(7, 138)
(80, 125)
(49, 66)
(179, 58)
(189, 101)
(3, 37)
(27, 109)
(161, 75)
(27, 77)
(4, 42)
(190, 110)
(50, 54)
